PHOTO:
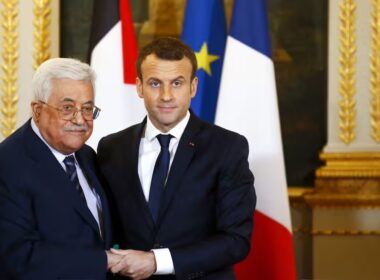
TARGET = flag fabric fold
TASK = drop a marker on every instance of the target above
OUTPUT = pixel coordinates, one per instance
(247, 104)
(204, 30)
(113, 52)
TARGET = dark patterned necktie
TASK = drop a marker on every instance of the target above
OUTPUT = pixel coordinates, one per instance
(160, 173)
(71, 171)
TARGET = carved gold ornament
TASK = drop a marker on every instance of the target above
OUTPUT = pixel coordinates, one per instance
(350, 165)
(375, 71)
(9, 66)
(41, 22)
(347, 60)
(335, 232)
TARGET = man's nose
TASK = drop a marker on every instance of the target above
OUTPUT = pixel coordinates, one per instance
(78, 117)
(166, 93)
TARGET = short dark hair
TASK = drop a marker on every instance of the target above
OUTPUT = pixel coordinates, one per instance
(167, 48)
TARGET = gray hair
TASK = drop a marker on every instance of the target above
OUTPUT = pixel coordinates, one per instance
(59, 68)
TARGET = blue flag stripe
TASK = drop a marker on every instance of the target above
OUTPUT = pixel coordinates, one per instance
(249, 25)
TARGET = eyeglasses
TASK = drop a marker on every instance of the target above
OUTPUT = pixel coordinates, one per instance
(68, 112)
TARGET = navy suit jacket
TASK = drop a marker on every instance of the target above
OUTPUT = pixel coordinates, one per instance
(205, 216)
(46, 228)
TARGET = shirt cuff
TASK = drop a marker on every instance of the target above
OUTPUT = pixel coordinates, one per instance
(164, 262)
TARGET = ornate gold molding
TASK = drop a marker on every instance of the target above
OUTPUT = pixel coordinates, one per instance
(333, 197)
(297, 196)
(347, 180)
(345, 232)
(41, 22)
(337, 193)
(9, 65)
(352, 165)
(301, 230)
(375, 71)
(326, 200)
(335, 232)
(347, 59)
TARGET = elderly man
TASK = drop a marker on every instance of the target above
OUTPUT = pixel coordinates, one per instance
(54, 217)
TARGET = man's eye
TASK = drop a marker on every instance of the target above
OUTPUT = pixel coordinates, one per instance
(154, 84)
(67, 108)
(177, 83)
(87, 110)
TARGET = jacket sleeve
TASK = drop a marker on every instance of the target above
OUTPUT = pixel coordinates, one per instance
(236, 202)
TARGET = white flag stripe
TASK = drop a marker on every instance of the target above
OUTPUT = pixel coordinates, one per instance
(121, 107)
(247, 104)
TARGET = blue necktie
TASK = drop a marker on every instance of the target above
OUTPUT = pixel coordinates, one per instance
(71, 171)
(160, 173)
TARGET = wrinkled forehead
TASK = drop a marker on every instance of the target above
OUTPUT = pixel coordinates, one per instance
(80, 91)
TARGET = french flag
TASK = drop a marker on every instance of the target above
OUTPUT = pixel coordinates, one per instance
(247, 104)
(113, 52)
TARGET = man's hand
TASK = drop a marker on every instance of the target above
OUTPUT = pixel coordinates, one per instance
(112, 259)
(135, 264)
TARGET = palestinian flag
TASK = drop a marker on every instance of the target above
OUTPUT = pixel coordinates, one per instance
(113, 53)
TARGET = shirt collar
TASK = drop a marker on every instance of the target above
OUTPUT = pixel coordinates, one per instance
(151, 131)
(58, 155)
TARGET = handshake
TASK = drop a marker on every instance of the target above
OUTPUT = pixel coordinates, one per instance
(132, 263)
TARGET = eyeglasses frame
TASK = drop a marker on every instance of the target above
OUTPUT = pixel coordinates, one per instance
(95, 114)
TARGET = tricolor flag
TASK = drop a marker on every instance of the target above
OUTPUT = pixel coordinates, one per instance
(247, 104)
(113, 50)
(204, 30)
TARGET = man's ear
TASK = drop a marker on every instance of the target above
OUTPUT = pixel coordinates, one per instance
(193, 87)
(36, 110)
(139, 88)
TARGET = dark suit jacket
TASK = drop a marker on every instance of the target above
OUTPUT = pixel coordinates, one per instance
(206, 213)
(46, 228)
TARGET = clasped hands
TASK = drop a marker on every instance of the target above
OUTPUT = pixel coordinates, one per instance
(132, 263)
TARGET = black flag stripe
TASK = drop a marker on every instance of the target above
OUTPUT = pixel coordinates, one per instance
(106, 14)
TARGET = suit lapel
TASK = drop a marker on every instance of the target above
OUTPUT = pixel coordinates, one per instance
(51, 170)
(184, 154)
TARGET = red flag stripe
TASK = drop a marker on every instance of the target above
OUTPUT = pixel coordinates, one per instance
(129, 42)
(271, 256)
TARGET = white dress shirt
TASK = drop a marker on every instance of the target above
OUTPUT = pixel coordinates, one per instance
(92, 198)
(148, 153)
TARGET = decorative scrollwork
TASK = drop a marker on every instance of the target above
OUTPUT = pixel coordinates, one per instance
(41, 22)
(347, 59)
(375, 71)
(9, 65)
